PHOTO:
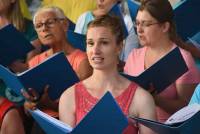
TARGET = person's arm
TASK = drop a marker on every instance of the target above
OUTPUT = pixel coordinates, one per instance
(84, 69)
(67, 107)
(12, 123)
(193, 50)
(188, 46)
(184, 93)
(143, 107)
(184, 86)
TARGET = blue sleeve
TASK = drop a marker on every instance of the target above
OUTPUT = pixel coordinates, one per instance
(196, 96)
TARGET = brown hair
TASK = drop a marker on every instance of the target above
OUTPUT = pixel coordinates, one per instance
(162, 11)
(15, 16)
(111, 22)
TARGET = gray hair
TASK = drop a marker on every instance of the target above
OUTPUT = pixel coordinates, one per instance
(58, 12)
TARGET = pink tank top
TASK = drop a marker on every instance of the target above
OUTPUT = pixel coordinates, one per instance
(135, 66)
(85, 102)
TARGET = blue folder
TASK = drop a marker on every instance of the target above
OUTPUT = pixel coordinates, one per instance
(77, 40)
(56, 72)
(163, 73)
(105, 117)
(13, 46)
(71, 25)
(133, 7)
(190, 126)
(115, 10)
(187, 18)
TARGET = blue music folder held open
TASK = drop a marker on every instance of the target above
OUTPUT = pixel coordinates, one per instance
(105, 117)
(161, 74)
(55, 71)
(77, 40)
(13, 45)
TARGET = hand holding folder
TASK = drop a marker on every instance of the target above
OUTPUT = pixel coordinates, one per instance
(55, 71)
(105, 117)
(163, 73)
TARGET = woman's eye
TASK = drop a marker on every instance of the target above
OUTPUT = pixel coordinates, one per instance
(104, 42)
(90, 43)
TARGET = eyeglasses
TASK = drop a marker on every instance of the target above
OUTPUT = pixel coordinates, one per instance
(144, 24)
(48, 23)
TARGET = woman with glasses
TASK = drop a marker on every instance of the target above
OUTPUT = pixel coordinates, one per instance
(157, 34)
(51, 26)
(104, 43)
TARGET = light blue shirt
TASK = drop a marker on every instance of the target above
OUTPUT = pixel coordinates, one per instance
(196, 96)
(82, 22)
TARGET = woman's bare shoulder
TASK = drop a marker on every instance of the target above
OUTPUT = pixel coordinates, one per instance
(142, 101)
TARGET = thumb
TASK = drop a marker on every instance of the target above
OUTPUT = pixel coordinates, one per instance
(151, 88)
(25, 94)
(46, 89)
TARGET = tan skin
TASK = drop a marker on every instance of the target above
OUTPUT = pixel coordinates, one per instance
(103, 7)
(18, 66)
(55, 37)
(4, 6)
(12, 122)
(152, 37)
(102, 51)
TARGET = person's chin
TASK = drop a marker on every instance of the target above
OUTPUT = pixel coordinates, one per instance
(48, 43)
(142, 43)
(97, 67)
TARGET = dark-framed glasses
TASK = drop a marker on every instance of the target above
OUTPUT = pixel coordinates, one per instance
(48, 23)
(144, 24)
